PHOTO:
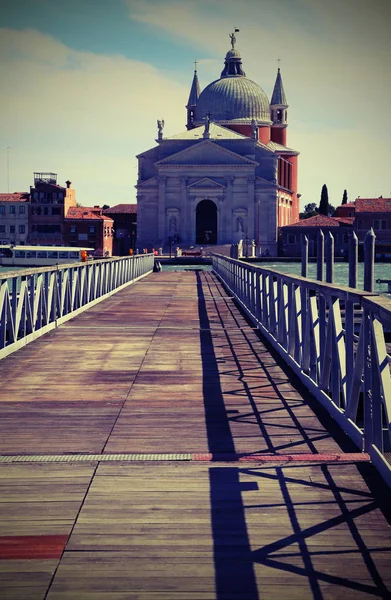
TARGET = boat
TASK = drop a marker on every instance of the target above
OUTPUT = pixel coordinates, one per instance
(42, 256)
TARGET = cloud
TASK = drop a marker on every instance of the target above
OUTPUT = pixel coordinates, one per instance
(82, 114)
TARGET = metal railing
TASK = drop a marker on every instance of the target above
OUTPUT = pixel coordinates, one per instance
(35, 301)
(333, 338)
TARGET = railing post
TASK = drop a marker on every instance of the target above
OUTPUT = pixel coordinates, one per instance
(330, 258)
(353, 260)
(320, 256)
(304, 256)
(369, 260)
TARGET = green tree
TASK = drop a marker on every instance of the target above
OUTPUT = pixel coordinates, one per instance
(310, 210)
(105, 207)
(344, 197)
(324, 201)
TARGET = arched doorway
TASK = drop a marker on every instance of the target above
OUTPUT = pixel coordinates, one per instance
(206, 222)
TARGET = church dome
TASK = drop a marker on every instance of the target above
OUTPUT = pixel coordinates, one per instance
(233, 98)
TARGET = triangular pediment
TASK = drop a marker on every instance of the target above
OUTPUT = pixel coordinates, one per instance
(206, 183)
(149, 182)
(206, 153)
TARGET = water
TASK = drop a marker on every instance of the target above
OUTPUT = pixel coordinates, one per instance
(341, 272)
(341, 277)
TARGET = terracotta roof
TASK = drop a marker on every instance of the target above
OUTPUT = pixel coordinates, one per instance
(345, 220)
(323, 221)
(87, 213)
(348, 205)
(122, 209)
(15, 197)
(378, 205)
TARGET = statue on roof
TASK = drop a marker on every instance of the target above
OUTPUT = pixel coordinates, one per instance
(160, 126)
(233, 38)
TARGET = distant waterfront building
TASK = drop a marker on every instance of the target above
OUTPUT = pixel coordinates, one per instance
(290, 236)
(125, 227)
(49, 205)
(358, 216)
(229, 176)
(14, 218)
(88, 226)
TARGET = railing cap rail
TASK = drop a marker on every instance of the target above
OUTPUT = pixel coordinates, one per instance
(37, 270)
(330, 289)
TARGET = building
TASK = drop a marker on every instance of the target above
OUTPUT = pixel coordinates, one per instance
(370, 213)
(229, 176)
(125, 227)
(14, 215)
(89, 227)
(49, 205)
(290, 236)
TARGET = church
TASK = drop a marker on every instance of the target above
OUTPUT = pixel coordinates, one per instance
(229, 176)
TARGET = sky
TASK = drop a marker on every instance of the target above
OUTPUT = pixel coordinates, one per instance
(83, 84)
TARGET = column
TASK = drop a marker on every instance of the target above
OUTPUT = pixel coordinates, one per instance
(192, 220)
(229, 224)
(162, 209)
(184, 228)
(251, 207)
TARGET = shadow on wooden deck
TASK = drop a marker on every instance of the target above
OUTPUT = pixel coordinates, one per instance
(302, 547)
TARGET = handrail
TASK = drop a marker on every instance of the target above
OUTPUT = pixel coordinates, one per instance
(312, 326)
(35, 301)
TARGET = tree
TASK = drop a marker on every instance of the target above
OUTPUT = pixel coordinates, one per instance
(105, 207)
(310, 210)
(324, 201)
(344, 197)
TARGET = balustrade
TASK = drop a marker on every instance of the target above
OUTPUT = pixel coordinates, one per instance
(34, 301)
(333, 338)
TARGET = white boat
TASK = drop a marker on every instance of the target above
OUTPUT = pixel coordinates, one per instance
(41, 256)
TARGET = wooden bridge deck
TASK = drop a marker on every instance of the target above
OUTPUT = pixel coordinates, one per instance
(170, 367)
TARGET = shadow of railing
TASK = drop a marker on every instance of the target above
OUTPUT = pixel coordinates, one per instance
(234, 569)
(332, 500)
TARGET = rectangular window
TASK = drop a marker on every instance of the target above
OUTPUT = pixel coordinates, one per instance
(376, 224)
(2, 210)
(384, 224)
(72, 229)
(56, 210)
(360, 225)
(12, 210)
(83, 236)
(92, 229)
(291, 238)
(22, 210)
(2, 228)
(12, 228)
(22, 229)
(45, 210)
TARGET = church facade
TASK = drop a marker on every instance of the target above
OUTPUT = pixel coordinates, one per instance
(229, 176)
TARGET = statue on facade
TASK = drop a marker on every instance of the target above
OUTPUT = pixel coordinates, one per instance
(254, 129)
(239, 225)
(172, 226)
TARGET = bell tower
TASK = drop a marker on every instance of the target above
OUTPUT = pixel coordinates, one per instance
(192, 101)
(279, 112)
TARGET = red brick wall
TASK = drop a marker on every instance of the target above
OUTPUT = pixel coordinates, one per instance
(278, 135)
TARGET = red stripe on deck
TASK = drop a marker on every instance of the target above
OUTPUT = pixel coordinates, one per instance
(32, 546)
(266, 458)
